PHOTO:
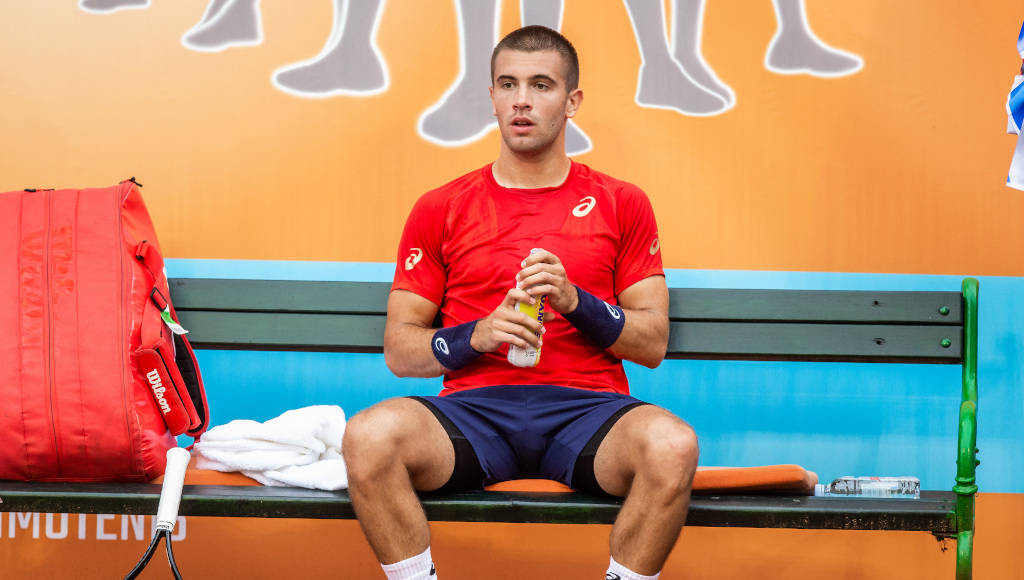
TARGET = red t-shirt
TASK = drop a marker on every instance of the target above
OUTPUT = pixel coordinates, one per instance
(464, 241)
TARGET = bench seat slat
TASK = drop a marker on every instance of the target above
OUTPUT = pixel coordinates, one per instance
(933, 512)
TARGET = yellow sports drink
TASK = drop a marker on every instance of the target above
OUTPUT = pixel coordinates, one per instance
(528, 356)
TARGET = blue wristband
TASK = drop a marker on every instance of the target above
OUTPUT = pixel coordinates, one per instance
(451, 346)
(600, 321)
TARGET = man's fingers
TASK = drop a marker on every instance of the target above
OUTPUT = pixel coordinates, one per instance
(516, 321)
(516, 295)
(540, 256)
(516, 334)
(537, 269)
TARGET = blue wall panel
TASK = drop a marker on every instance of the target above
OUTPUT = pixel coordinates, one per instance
(833, 418)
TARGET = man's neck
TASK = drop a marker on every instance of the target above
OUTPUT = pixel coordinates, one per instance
(531, 172)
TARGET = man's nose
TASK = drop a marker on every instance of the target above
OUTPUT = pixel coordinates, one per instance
(522, 100)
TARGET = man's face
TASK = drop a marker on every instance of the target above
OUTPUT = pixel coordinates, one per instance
(531, 100)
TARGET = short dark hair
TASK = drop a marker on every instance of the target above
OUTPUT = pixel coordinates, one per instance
(536, 38)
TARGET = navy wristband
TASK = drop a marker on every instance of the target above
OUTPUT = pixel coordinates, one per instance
(600, 321)
(451, 346)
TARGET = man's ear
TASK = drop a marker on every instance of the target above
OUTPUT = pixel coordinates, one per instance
(572, 104)
(494, 110)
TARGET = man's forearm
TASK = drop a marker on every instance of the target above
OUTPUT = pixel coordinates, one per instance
(408, 353)
(644, 338)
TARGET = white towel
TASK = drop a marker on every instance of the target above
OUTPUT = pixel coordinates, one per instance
(300, 448)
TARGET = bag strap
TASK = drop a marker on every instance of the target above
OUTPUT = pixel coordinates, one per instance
(184, 358)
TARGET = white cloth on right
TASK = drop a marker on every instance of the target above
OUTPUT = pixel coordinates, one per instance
(299, 448)
(1015, 177)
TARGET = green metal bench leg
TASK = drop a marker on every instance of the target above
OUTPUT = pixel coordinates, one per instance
(967, 453)
(965, 555)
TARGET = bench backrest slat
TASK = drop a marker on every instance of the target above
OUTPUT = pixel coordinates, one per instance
(816, 305)
(280, 296)
(705, 323)
(835, 342)
(284, 331)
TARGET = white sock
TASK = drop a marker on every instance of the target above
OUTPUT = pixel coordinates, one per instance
(416, 568)
(617, 571)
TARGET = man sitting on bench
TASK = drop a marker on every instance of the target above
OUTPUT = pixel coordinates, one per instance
(466, 250)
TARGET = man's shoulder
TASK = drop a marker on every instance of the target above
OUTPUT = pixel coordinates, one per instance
(458, 186)
(616, 187)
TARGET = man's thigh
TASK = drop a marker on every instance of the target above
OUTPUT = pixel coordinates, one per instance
(406, 430)
(647, 438)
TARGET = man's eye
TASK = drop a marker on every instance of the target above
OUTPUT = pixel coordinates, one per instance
(506, 85)
(541, 86)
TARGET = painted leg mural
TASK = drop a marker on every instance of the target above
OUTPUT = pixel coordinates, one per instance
(105, 6)
(662, 82)
(349, 64)
(226, 23)
(463, 114)
(684, 81)
(673, 74)
(549, 13)
(687, 24)
(795, 49)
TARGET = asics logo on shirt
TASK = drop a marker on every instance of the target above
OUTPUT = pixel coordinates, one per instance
(612, 576)
(414, 258)
(441, 345)
(655, 246)
(586, 204)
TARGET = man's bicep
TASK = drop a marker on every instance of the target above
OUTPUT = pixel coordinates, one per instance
(650, 294)
(407, 335)
(405, 307)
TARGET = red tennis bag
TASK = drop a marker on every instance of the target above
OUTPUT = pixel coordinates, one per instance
(96, 378)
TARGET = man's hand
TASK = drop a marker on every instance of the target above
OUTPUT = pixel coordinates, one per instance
(544, 275)
(506, 325)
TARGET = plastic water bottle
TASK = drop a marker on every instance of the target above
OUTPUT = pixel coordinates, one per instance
(528, 356)
(885, 487)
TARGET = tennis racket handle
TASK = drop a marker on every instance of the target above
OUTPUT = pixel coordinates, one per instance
(170, 493)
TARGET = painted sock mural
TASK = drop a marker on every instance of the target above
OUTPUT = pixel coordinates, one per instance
(673, 75)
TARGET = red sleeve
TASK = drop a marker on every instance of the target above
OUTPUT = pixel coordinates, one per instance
(639, 254)
(420, 268)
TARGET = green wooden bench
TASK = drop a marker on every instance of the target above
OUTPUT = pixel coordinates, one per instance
(861, 326)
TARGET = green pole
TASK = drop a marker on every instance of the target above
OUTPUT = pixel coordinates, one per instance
(967, 450)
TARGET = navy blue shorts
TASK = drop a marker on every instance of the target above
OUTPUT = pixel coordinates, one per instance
(527, 431)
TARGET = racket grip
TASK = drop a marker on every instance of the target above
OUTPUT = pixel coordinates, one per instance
(170, 493)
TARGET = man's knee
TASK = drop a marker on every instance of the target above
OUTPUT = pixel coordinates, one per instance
(670, 452)
(371, 437)
(397, 434)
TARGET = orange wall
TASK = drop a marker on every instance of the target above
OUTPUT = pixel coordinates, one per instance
(258, 549)
(897, 168)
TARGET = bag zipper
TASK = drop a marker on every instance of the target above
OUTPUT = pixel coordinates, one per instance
(120, 195)
(48, 317)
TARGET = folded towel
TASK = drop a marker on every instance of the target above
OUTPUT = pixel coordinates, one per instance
(759, 480)
(300, 448)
